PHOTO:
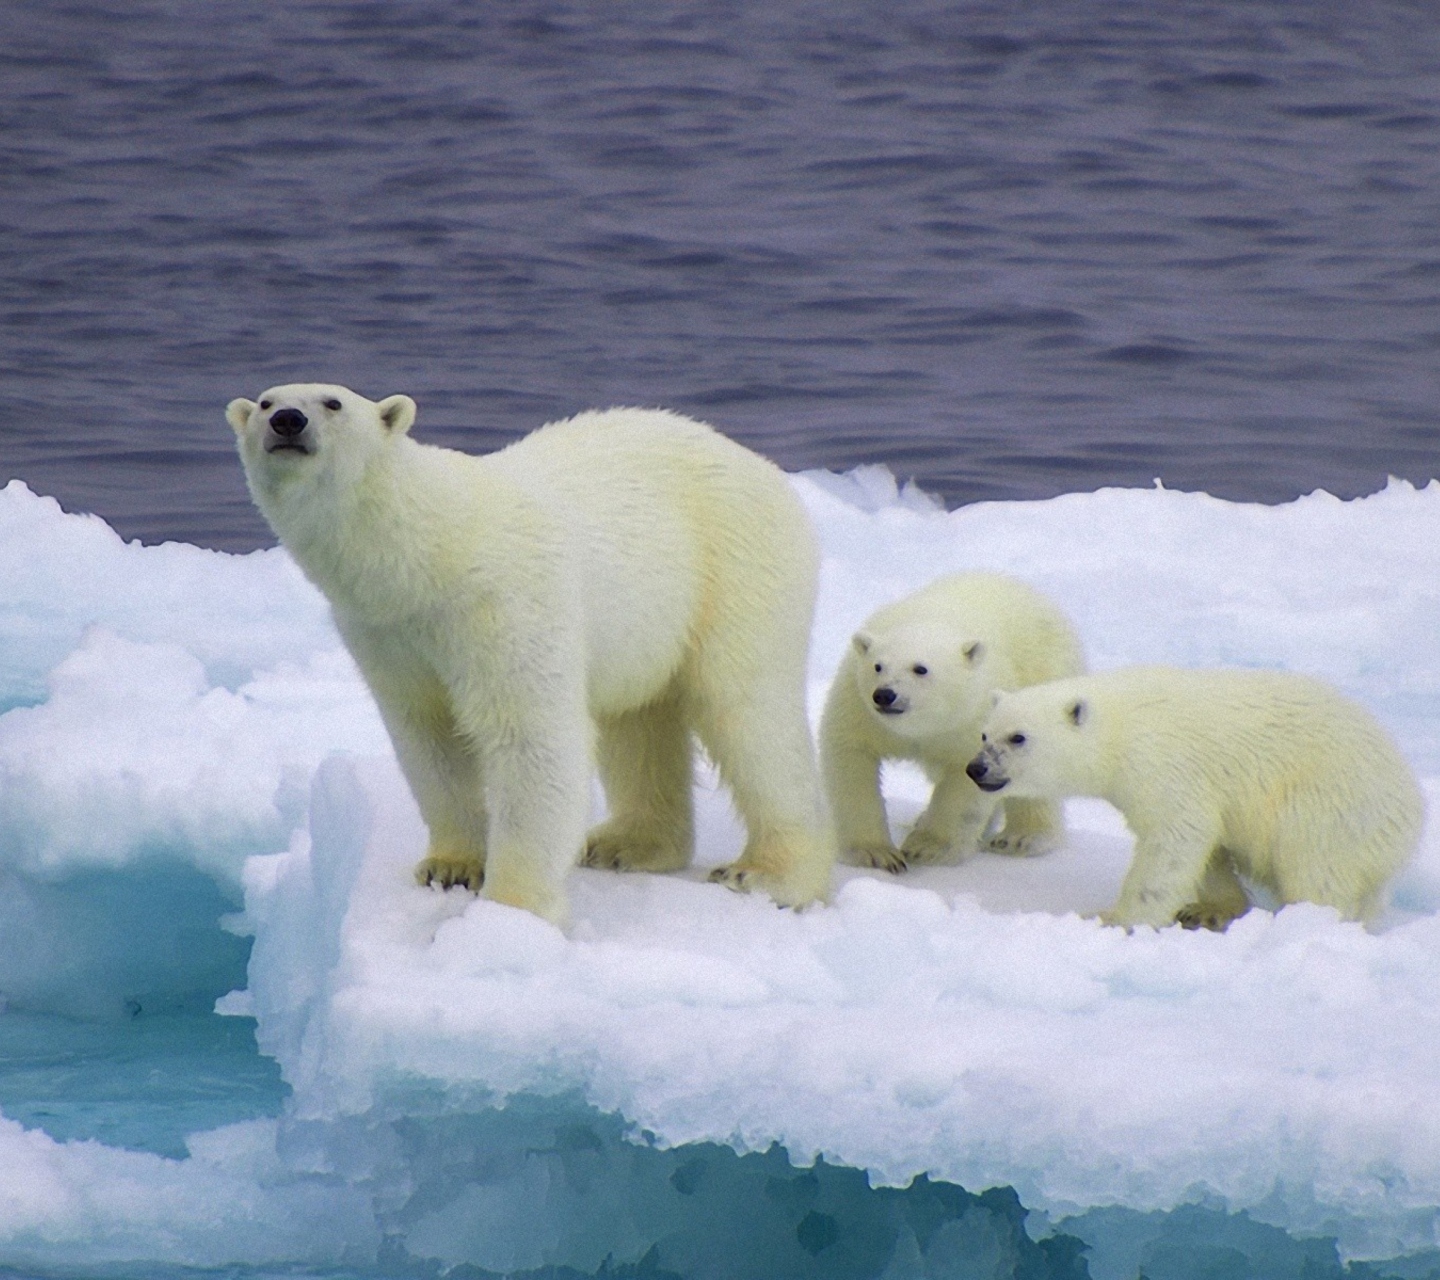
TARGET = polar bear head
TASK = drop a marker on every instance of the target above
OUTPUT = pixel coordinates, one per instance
(1039, 742)
(306, 435)
(922, 681)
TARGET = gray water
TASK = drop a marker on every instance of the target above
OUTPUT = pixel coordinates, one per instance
(1011, 250)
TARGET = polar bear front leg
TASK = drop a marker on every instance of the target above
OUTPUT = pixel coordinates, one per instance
(439, 764)
(1165, 875)
(850, 770)
(852, 785)
(1222, 897)
(449, 789)
(538, 792)
(953, 822)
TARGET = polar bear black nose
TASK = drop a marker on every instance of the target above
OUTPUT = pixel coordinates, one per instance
(883, 697)
(976, 769)
(288, 422)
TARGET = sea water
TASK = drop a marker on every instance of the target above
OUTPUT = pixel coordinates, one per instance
(1012, 251)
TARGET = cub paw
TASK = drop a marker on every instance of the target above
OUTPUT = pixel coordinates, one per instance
(452, 870)
(1031, 845)
(1201, 915)
(922, 846)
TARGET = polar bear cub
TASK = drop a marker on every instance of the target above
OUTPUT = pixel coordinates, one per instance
(916, 684)
(1274, 775)
(600, 590)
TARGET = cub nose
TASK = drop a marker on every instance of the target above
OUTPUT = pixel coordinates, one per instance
(977, 769)
(288, 422)
(883, 697)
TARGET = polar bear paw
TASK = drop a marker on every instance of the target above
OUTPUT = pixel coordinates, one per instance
(1030, 845)
(923, 847)
(883, 857)
(739, 878)
(794, 890)
(1208, 915)
(615, 847)
(736, 878)
(452, 870)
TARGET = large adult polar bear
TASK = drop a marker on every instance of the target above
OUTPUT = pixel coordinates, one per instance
(600, 590)
(916, 684)
(1272, 774)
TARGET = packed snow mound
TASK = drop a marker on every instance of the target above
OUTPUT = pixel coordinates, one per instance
(914, 1026)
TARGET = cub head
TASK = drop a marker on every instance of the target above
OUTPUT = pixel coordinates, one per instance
(920, 681)
(306, 433)
(1038, 743)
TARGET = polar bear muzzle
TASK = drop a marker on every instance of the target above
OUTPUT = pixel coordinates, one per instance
(983, 776)
(287, 432)
(887, 701)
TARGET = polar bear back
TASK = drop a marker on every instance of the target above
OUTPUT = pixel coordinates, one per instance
(665, 520)
(1301, 785)
(1280, 755)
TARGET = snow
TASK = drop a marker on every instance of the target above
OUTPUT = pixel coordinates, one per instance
(185, 730)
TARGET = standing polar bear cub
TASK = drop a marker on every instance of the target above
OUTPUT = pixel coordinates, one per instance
(1274, 775)
(602, 589)
(915, 684)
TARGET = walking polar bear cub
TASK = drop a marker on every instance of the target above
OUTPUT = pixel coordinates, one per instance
(603, 588)
(1273, 775)
(915, 684)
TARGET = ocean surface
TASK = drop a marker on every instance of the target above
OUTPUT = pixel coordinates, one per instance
(1011, 250)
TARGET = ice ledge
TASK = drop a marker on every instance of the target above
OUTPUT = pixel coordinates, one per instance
(1288, 1066)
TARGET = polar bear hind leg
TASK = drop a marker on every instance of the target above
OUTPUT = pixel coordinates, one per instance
(645, 763)
(762, 749)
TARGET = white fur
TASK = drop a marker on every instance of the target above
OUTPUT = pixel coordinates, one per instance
(971, 634)
(601, 589)
(1274, 775)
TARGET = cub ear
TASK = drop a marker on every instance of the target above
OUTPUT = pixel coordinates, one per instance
(1077, 711)
(973, 652)
(237, 413)
(397, 413)
(862, 642)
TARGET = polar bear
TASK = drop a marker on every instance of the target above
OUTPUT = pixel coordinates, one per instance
(916, 684)
(600, 590)
(1274, 775)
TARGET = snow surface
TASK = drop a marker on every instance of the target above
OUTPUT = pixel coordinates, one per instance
(181, 717)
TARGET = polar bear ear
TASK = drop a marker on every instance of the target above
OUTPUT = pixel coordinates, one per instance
(237, 413)
(973, 652)
(862, 642)
(1077, 711)
(397, 413)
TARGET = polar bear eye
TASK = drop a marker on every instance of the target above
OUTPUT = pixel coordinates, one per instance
(879, 666)
(920, 669)
(332, 405)
(265, 404)
(1016, 739)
